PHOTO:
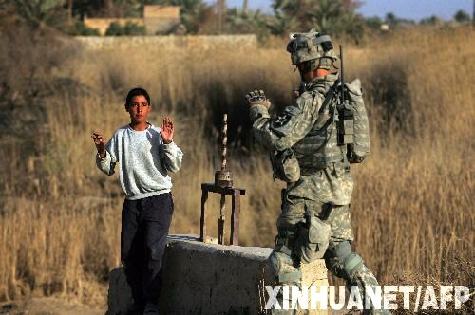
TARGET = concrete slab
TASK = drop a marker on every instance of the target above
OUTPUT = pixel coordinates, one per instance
(203, 278)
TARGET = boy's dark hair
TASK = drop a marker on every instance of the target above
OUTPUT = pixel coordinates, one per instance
(138, 91)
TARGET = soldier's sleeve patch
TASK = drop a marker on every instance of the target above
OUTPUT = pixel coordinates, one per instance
(284, 123)
(309, 101)
(292, 111)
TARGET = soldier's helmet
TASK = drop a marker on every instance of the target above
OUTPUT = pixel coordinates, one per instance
(304, 47)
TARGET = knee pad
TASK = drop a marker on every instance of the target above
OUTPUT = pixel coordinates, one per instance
(352, 263)
(343, 262)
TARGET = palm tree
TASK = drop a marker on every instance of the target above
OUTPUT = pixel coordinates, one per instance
(245, 4)
(39, 13)
(327, 16)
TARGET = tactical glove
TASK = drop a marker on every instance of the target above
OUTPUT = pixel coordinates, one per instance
(257, 97)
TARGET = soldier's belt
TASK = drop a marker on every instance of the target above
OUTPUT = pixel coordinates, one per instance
(318, 164)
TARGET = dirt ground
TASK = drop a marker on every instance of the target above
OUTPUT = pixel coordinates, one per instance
(48, 306)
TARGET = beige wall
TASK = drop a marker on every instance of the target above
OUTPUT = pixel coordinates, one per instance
(160, 19)
(187, 42)
(158, 11)
(156, 19)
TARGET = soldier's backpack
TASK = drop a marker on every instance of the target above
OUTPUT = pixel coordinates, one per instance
(359, 145)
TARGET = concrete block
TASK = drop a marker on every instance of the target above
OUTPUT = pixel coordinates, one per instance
(203, 278)
(119, 295)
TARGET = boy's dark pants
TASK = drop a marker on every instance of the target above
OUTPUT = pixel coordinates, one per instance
(145, 224)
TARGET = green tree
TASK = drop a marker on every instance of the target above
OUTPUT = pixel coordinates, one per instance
(374, 22)
(283, 24)
(133, 29)
(111, 8)
(335, 17)
(432, 20)
(115, 29)
(90, 8)
(126, 8)
(391, 19)
(39, 13)
(247, 21)
(193, 13)
(291, 12)
(462, 17)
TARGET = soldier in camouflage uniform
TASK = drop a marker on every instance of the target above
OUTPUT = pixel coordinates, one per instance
(315, 221)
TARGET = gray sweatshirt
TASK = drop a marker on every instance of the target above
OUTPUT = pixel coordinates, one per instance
(144, 161)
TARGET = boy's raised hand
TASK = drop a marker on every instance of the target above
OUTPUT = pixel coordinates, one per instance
(98, 139)
(167, 130)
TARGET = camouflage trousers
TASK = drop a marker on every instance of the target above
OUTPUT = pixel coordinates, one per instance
(310, 230)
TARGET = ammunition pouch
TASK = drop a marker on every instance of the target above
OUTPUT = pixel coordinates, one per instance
(285, 165)
(345, 125)
(318, 239)
(311, 239)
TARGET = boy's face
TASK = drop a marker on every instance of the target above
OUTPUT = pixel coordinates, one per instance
(138, 109)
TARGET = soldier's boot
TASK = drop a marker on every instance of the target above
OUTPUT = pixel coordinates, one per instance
(362, 277)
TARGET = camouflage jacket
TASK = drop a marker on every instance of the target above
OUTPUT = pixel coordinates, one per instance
(332, 184)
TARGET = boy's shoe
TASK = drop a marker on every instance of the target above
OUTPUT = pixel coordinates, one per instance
(151, 309)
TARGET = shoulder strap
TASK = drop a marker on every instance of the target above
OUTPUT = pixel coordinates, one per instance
(332, 92)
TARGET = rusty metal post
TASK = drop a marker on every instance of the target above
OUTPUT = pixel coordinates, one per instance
(234, 237)
(223, 185)
(221, 218)
(223, 177)
(204, 197)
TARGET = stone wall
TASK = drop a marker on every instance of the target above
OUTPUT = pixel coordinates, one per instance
(231, 42)
(156, 19)
(201, 278)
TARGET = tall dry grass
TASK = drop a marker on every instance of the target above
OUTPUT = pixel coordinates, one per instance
(412, 206)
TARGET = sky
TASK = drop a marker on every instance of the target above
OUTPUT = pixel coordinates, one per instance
(410, 9)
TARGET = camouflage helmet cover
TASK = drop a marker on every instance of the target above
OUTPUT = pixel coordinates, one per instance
(310, 46)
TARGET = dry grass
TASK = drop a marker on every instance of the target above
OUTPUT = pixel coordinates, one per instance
(413, 212)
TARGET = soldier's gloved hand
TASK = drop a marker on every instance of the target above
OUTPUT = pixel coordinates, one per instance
(257, 97)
